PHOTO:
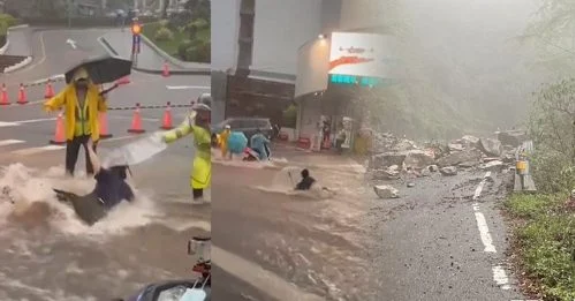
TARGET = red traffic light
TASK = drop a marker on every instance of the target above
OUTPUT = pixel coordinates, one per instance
(136, 29)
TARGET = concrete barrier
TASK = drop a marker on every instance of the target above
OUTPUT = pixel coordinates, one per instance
(19, 65)
(528, 183)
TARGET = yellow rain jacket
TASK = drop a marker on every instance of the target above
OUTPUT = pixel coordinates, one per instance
(202, 164)
(94, 104)
(223, 141)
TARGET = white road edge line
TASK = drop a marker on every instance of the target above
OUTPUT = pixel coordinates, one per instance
(10, 142)
(36, 150)
(500, 277)
(499, 274)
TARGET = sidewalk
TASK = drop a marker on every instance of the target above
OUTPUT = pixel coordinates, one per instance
(149, 60)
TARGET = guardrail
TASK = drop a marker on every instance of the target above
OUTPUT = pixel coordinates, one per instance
(523, 179)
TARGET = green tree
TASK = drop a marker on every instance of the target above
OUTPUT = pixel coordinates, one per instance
(553, 32)
(552, 128)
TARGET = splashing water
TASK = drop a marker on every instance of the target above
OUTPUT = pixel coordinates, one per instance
(286, 179)
(27, 196)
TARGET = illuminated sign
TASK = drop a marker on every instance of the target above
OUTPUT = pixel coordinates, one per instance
(361, 54)
(362, 81)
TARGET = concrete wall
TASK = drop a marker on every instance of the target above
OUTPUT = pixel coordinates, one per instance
(308, 114)
(312, 67)
(281, 27)
(225, 27)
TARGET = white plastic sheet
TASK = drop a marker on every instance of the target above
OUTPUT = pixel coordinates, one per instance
(136, 152)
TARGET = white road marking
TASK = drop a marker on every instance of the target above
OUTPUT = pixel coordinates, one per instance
(270, 283)
(484, 230)
(8, 124)
(36, 120)
(480, 218)
(188, 87)
(36, 150)
(72, 43)
(500, 277)
(499, 274)
(10, 142)
(479, 188)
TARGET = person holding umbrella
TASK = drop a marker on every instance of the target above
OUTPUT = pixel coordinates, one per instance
(82, 102)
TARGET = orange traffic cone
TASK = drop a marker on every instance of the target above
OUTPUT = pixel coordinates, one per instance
(49, 90)
(103, 120)
(166, 70)
(22, 99)
(167, 120)
(137, 122)
(123, 81)
(59, 136)
(4, 96)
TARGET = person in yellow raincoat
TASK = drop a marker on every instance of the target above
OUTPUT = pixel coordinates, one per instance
(198, 125)
(82, 103)
(223, 141)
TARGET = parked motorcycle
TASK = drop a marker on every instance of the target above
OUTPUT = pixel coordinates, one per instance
(253, 155)
(199, 289)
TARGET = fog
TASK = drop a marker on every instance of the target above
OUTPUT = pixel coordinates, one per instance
(466, 59)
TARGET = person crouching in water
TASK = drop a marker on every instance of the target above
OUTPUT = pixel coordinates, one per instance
(306, 181)
(111, 189)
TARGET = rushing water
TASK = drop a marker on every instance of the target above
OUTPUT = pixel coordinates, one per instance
(49, 254)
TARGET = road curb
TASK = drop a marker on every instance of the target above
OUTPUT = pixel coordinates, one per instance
(25, 62)
(166, 56)
(197, 71)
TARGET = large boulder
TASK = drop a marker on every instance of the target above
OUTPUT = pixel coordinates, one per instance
(448, 171)
(491, 147)
(455, 146)
(513, 138)
(456, 158)
(384, 160)
(495, 166)
(418, 159)
(469, 140)
(386, 192)
(404, 145)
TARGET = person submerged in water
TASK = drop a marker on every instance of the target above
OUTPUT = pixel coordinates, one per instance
(111, 189)
(306, 181)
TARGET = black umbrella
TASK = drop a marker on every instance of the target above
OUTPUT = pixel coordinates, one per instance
(103, 69)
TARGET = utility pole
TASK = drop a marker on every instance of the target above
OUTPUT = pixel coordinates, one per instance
(69, 9)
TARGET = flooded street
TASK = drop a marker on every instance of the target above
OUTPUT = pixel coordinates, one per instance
(315, 239)
(49, 254)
